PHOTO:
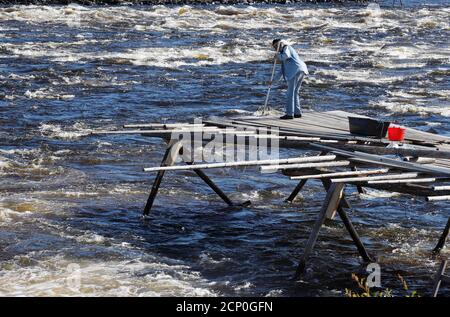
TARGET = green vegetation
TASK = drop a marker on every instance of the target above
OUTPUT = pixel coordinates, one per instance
(365, 290)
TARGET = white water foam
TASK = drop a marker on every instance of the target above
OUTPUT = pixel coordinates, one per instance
(59, 276)
(47, 93)
(75, 131)
(407, 108)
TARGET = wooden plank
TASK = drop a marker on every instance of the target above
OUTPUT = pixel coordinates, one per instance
(339, 174)
(163, 125)
(374, 178)
(328, 119)
(306, 133)
(327, 184)
(384, 161)
(446, 187)
(410, 189)
(401, 181)
(438, 198)
(173, 131)
(334, 203)
(241, 163)
(282, 131)
(307, 122)
(293, 144)
(430, 152)
(303, 132)
(284, 139)
(289, 138)
(305, 165)
(301, 126)
(424, 137)
(407, 188)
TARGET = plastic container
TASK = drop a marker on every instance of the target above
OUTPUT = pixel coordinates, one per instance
(368, 127)
(396, 133)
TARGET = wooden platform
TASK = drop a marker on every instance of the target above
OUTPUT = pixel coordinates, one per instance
(418, 166)
(334, 125)
(330, 124)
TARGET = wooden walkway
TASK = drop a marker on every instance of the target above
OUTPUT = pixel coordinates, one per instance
(330, 124)
(419, 165)
(333, 125)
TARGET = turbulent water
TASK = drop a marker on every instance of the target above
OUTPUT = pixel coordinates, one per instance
(72, 203)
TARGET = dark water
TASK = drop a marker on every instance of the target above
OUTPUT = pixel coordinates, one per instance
(71, 199)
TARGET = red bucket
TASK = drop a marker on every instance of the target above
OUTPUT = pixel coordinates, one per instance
(396, 133)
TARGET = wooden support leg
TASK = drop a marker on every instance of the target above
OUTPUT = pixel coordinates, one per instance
(332, 213)
(326, 184)
(331, 201)
(214, 187)
(359, 187)
(349, 226)
(438, 278)
(168, 159)
(442, 239)
(296, 190)
(355, 237)
(300, 185)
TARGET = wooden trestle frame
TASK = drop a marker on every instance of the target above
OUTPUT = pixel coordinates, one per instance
(335, 201)
(338, 149)
(175, 148)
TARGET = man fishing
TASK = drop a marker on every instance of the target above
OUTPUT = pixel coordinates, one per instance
(293, 71)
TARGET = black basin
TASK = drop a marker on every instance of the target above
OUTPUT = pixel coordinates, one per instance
(368, 127)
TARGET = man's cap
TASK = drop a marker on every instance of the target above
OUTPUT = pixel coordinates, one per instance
(276, 41)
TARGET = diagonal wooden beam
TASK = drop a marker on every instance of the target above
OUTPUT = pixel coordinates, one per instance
(347, 223)
(216, 188)
(442, 239)
(169, 159)
(354, 234)
(332, 199)
(296, 190)
(438, 278)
